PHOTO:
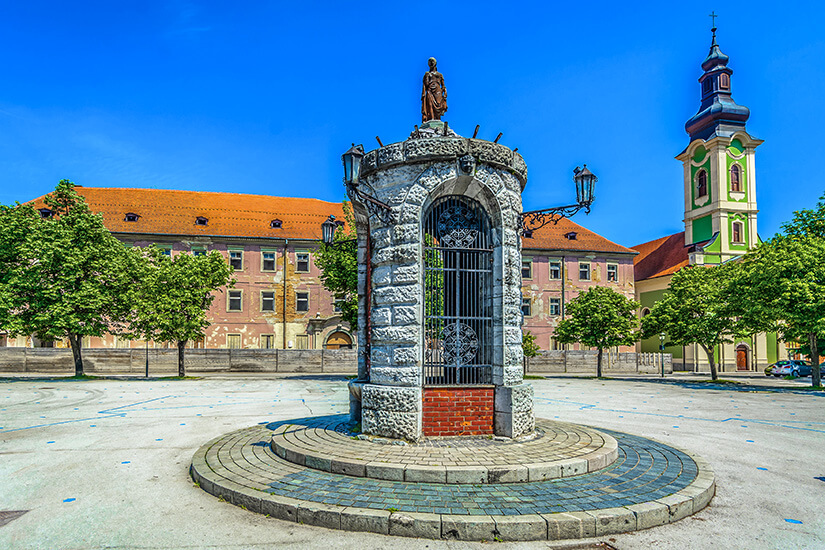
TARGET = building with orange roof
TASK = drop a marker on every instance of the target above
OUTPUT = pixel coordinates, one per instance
(278, 300)
(720, 216)
(558, 262)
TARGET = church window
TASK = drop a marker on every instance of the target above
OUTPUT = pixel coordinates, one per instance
(737, 232)
(724, 81)
(701, 184)
(735, 178)
(706, 86)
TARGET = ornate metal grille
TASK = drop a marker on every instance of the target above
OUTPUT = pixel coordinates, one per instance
(458, 304)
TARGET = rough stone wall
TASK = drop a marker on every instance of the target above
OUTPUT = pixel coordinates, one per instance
(458, 411)
(409, 177)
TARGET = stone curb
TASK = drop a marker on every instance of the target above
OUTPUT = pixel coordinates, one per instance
(528, 527)
(424, 473)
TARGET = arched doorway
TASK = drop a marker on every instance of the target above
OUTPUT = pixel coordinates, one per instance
(458, 293)
(338, 340)
(742, 359)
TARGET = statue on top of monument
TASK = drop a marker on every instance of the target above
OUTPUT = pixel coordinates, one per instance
(433, 94)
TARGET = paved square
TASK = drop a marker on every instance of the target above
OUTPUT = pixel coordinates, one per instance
(104, 463)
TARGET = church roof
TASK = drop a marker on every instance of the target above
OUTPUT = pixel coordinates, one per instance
(568, 235)
(660, 257)
(168, 212)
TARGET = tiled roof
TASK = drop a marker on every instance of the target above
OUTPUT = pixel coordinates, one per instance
(165, 212)
(663, 256)
(554, 237)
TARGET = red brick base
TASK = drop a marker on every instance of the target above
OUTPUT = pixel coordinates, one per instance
(458, 411)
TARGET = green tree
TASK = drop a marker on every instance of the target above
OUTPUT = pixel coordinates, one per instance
(783, 282)
(528, 344)
(600, 318)
(697, 309)
(173, 295)
(339, 268)
(63, 276)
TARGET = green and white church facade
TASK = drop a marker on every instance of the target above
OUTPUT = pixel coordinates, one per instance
(719, 178)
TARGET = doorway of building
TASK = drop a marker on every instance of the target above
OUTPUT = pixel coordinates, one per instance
(742, 357)
(339, 340)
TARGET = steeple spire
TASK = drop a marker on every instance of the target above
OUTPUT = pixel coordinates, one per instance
(718, 114)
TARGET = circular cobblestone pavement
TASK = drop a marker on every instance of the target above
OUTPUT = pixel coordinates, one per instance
(648, 484)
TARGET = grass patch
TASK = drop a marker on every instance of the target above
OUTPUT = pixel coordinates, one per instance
(180, 378)
(533, 377)
(720, 381)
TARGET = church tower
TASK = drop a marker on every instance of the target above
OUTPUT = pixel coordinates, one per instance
(719, 170)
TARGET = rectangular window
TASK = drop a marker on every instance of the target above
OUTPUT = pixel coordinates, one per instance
(234, 300)
(302, 341)
(302, 263)
(198, 251)
(737, 232)
(526, 307)
(233, 341)
(165, 249)
(302, 302)
(267, 301)
(555, 270)
(613, 273)
(336, 303)
(236, 259)
(584, 271)
(555, 306)
(267, 261)
(267, 341)
(527, 269)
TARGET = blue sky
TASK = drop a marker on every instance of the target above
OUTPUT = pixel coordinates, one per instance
(263, 97)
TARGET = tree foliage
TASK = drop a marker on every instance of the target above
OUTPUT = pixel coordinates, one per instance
(783, 282)
(173, 294)
(697, 310)
(601, 318)
(339, 268)
(63, 275)
(528, 344)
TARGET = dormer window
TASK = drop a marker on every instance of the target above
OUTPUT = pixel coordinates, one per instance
(275, 224)
(706, 86)
(701, 184)
(46, 213)
(200, 220)
(735, 178)
(131, 217)
(571, 236)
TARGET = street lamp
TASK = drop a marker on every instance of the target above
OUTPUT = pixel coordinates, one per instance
(328, 230)
(662, 337)
(352, 164)
(585, 181)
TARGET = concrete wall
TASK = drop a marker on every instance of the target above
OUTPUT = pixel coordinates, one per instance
(165, 361)
(584, 362)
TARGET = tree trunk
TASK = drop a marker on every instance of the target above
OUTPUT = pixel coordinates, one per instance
(711, 361)
(816, 377)
(181, 345)
(599, 364)
(75, 342)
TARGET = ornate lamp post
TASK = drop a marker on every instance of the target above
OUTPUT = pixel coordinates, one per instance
(352, 171)
(585, 181)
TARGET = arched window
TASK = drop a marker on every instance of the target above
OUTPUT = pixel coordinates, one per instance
(701, 184)
(645, 312)
(735, 178)
(724, 81)
(737, 232)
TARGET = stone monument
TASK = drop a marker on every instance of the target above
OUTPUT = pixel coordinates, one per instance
(440, 285)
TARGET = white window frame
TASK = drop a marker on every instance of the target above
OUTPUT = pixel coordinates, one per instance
(298, 300)
(589, 268)
(264, 260)
(298, 261)
(229, 299)
(615, 273)
(555, 304)
(550, 270)
(236, 251)
(264, 299)
(527, 263)
(527, 302)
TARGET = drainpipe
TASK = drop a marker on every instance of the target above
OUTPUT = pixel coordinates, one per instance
(283, 306)
(562, 286)
(368, 300)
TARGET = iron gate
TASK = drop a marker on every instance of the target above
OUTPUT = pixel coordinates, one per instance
(458, 294)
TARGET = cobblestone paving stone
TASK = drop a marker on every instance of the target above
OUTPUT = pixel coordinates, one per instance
(644, 471)
(317, 441)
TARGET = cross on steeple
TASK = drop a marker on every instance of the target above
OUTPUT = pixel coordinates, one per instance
(713, 17)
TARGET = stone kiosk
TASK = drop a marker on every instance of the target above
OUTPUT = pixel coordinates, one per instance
(439, 288)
